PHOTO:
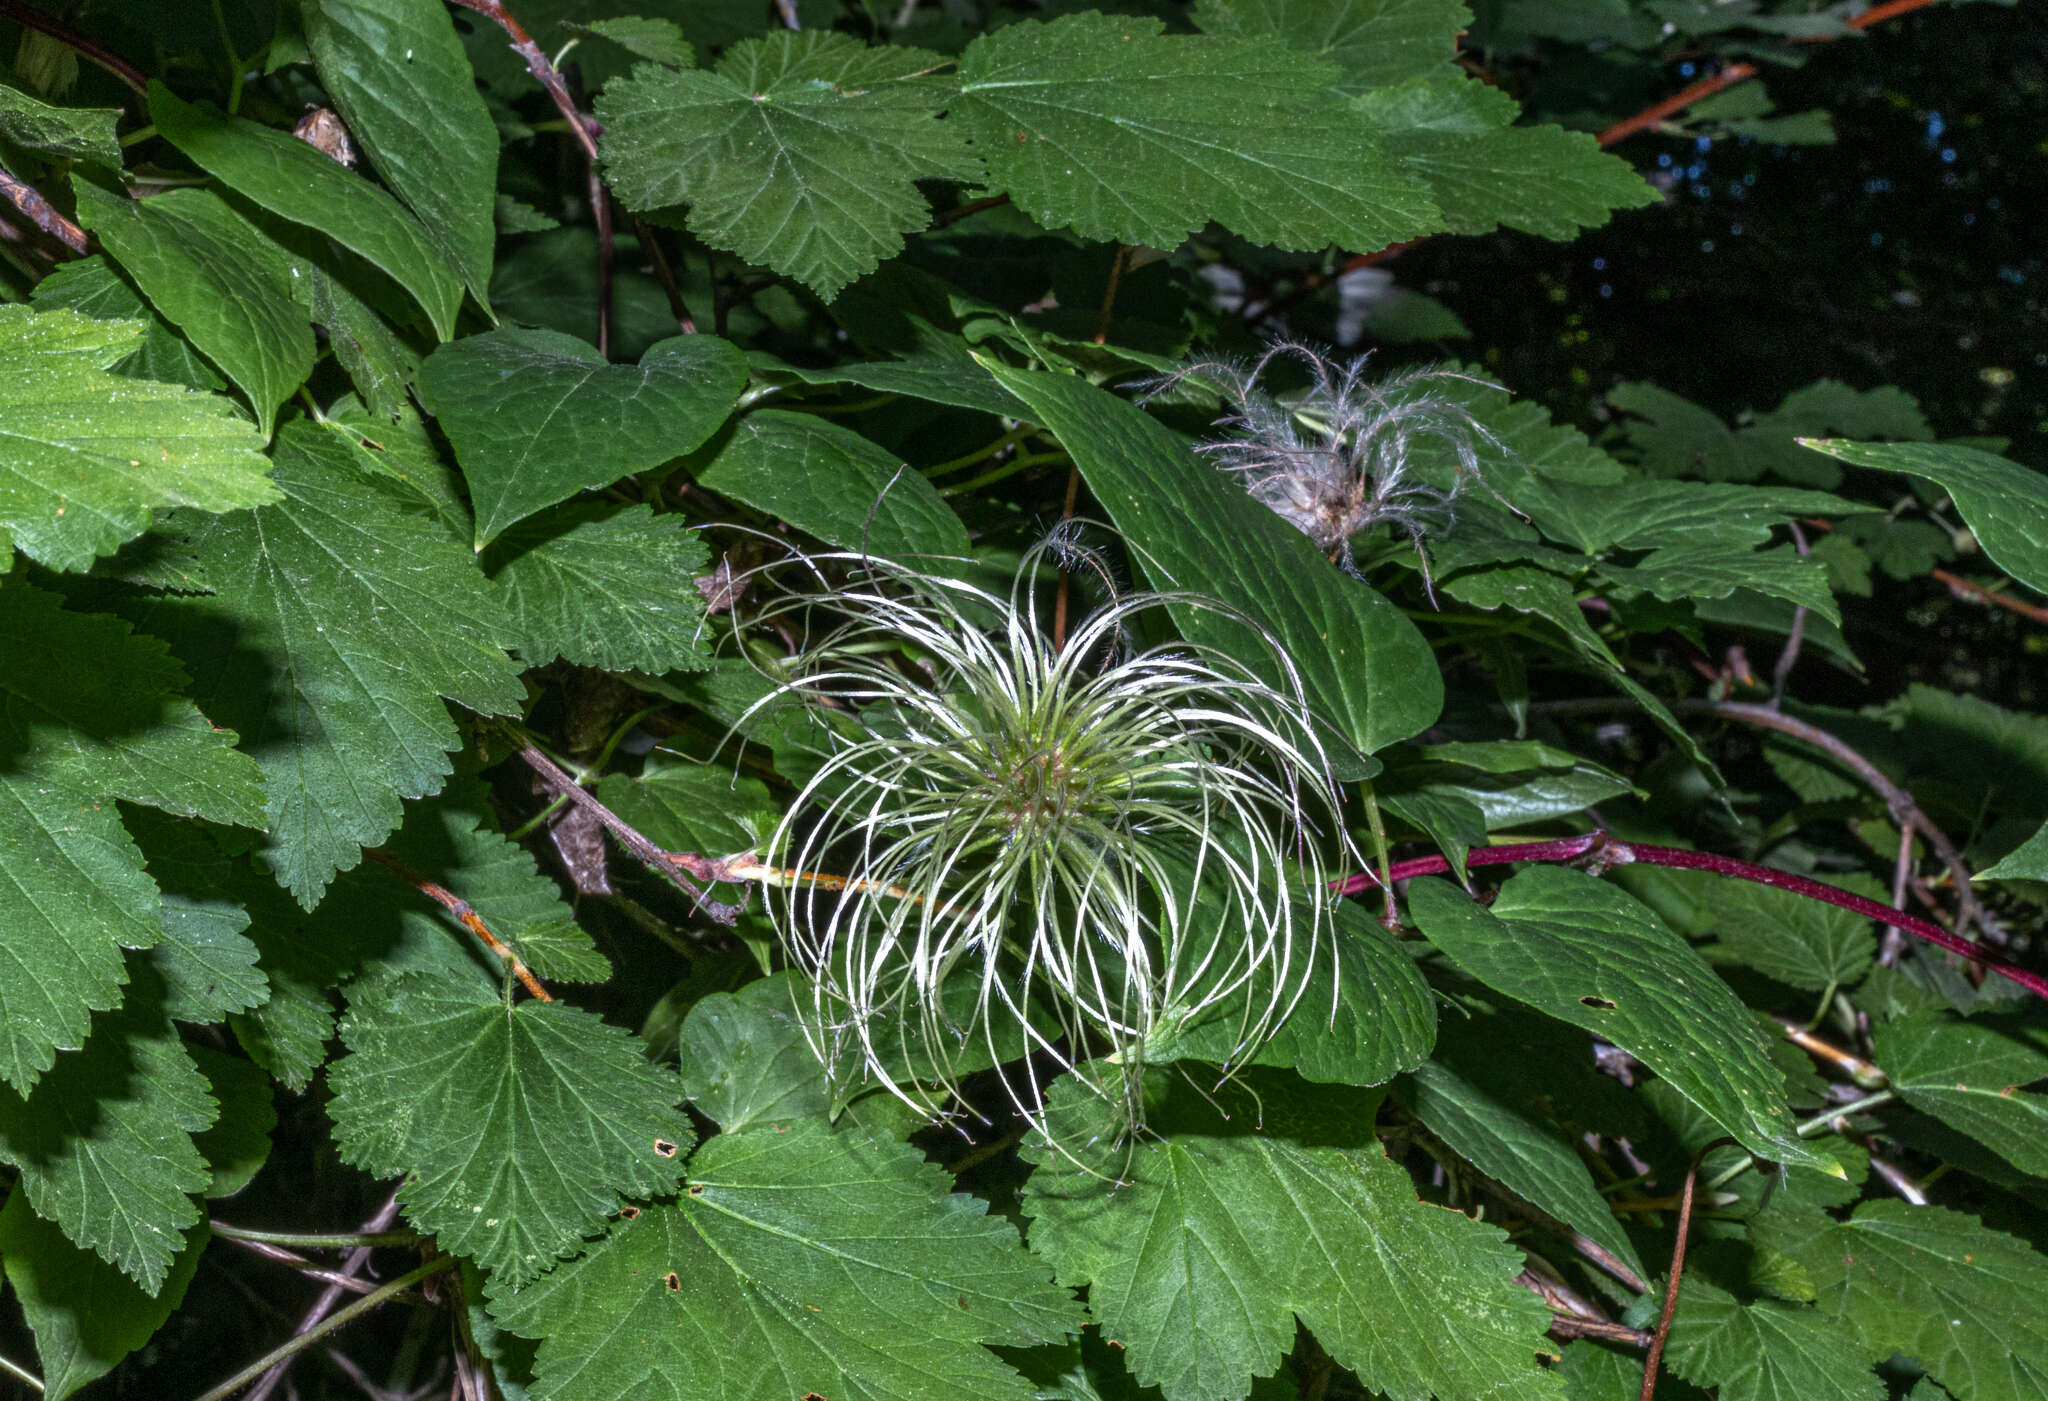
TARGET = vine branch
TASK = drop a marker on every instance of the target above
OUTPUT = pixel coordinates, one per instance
(284, 1352)
(1898, 802)
(1609, 852)
(64, 34)
(1663, 1333)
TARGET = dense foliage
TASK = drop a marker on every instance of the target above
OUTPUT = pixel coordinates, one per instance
(749, 701)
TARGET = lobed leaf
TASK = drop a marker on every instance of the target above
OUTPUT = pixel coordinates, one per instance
(1766, 1351)
(597, 585)
(89, 455)
(517, 1128)
(91, 714)
(103, 1143)
(1103, 124)
(339, 619)
(801, 1261)
(1967, 1303)
(1372, 43)
(1202, 1241)
(1969, 1075)
(797, 151)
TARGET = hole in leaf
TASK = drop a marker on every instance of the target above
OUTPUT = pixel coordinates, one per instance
(696, 1189)
(674, 1282)
(1602, 1003)
(631, 1213)
(664, 1148)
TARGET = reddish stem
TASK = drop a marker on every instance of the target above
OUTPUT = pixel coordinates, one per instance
(1657, 111)
(65, 34)
(1609, 852)
(1971, 589)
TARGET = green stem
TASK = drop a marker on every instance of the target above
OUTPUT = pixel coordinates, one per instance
(235, 65)
(337, 1319)
(1378, 825)
(982, 454)
(1010, 468)
(1820, 1121)
(138, 136)
(316, 1240)
(1808, 1129)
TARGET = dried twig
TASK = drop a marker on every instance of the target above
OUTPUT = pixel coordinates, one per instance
(351, 1266)
(1663, 1332)
(559, 783)
(465, 913)
(42, 213)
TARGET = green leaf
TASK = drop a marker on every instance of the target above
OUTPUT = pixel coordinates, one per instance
(1365, 1015)
(217, 278)
(797, 152)
(1802, 943)
(1372, 42)
(832, 483)
(90, 714)
(398, 74)
(517, 1129)
(1589, 954)
(338, 620)
(1509, 1144)
(238, 1144)
(1201, 1242)
(1968, 1075)
(92, 288)
(85, 1314)
(1103, 124)
(1457, 139)
(292, 179)
(2003, 503)
(705, 808)
(377, 360)
(1964, 1302)
(60, 133)
(90, 454)
(600, 585)
(800, 1262)
(104, 1141)
(1765, 1351)
(745, 1058)
(1363, 664)
(537, 416)
(2029, 861)
(657, 39)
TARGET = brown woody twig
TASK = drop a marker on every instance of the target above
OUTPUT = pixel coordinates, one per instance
(463, 912)
(1971, 589)
(42, 213)
(671, 865)
(353, 1265)
(1663, 1333)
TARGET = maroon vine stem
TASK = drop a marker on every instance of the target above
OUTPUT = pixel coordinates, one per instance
(65, 34)
(1608, 852)
(585, 129)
